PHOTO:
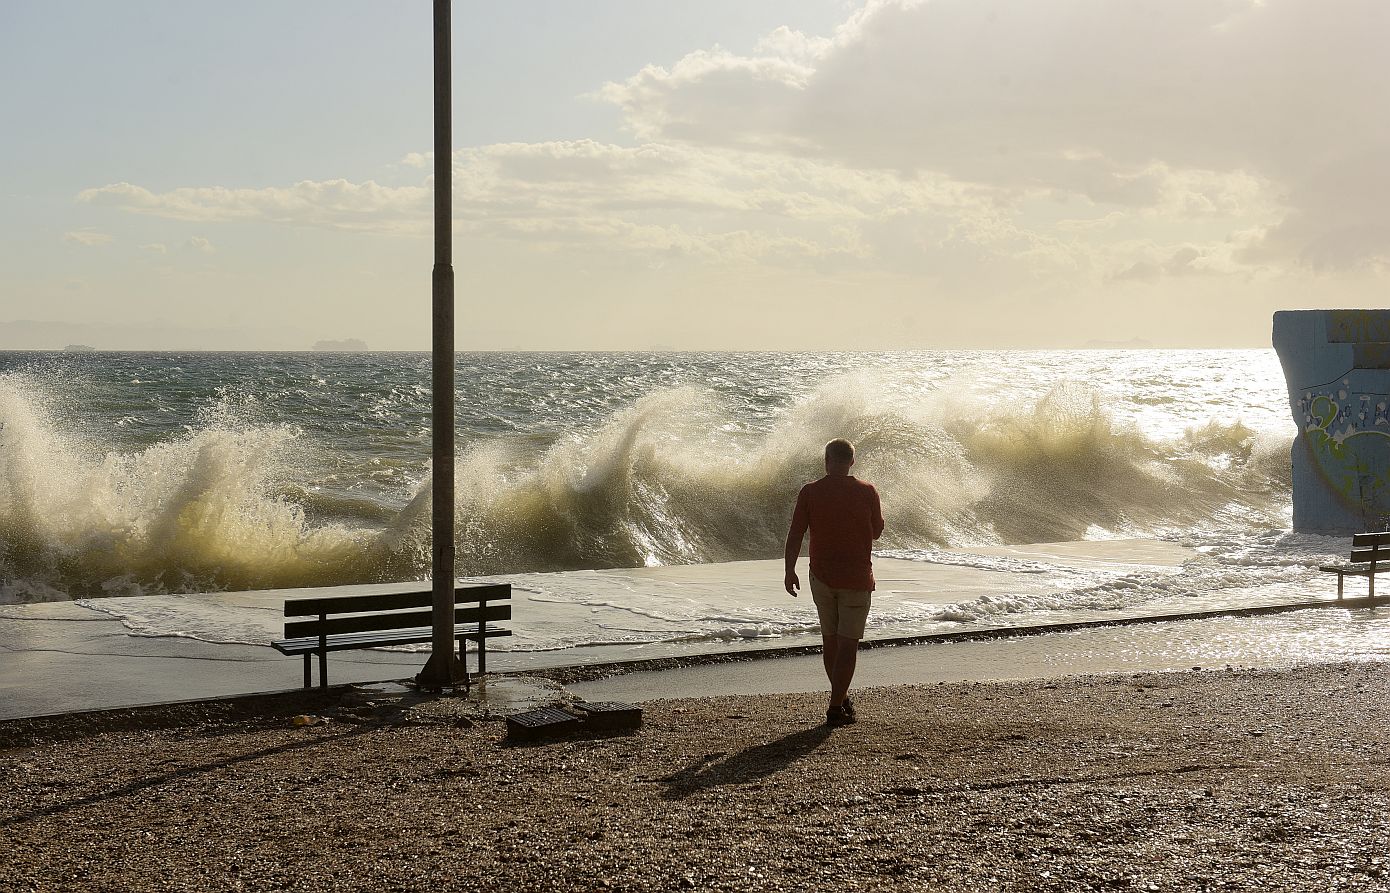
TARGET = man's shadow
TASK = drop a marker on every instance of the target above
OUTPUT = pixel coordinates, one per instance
(759, 761)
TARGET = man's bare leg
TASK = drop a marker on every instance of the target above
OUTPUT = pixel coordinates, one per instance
(829, 644)
(842, 671)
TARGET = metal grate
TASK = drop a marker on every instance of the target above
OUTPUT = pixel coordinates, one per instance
(546, 722)
(610, 715)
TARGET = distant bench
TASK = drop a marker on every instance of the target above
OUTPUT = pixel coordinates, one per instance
(1366, 550)
(345, 622)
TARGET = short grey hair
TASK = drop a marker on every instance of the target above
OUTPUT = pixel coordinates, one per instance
(839, 450)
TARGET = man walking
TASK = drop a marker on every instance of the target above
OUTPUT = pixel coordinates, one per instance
(844, 517)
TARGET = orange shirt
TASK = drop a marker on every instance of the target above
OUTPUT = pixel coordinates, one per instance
(844, 517)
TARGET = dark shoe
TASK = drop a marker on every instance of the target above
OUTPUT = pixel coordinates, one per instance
(848, 707)
(836, 716)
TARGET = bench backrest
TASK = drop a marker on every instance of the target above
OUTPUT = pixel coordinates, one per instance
(1370, 547)
(370, 613)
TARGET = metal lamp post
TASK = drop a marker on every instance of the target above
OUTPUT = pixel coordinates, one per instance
(444, 666)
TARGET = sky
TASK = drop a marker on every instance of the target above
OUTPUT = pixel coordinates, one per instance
(729, 174)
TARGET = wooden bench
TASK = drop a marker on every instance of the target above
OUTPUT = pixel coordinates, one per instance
(371, 621)
(1366, 550)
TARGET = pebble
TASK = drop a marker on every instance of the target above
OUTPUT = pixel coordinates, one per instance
(994, 786)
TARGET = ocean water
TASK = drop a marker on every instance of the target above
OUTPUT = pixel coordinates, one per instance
(125, 474)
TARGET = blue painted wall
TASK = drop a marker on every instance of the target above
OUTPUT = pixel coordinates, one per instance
(1337, 367)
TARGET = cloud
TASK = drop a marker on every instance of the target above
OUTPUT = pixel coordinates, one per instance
(1127, 104)
(338, 203)
(664, 202)
(963, 140)
(660, 103)
(87, 238)
(198, 243)
(650, 200)
(156, 248)
(724, 205)
(1180, 261)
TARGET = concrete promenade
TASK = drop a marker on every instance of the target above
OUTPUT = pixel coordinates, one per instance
(67, 656)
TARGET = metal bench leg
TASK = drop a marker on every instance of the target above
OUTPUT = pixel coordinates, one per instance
(323, 652)
(308, 670)
(482, 641)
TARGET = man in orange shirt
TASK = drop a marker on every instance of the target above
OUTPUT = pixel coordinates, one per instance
(844, 517)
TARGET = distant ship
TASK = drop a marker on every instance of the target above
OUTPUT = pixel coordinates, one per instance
(79, 348)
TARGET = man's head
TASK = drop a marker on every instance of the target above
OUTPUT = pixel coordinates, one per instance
(839, 456)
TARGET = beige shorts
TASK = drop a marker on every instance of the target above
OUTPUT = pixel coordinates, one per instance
(843, 612)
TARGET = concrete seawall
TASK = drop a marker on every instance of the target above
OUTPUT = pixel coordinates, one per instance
(1337, 366)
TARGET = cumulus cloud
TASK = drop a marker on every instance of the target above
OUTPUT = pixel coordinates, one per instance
(1085, 139)
(1187, 105)
(87, 238)
(663, 200)
(200, 244)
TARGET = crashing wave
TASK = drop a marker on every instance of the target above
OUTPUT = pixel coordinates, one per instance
(675, 477)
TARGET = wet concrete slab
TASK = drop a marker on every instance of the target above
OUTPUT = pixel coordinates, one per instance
(58, 664)
(65, 656)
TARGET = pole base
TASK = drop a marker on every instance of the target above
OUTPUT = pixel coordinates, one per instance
(442, 670)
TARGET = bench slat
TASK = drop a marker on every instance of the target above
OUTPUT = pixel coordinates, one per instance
(399, 620)
(1359, 556)
(310, 644)
(345, 604)
(1359, 540)
(363, 640)
(1347, 570)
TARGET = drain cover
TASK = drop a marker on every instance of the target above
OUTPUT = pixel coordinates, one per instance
(610, 715)
(547, 722)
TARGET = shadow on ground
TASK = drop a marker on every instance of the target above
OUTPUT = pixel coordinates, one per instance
(716, 769)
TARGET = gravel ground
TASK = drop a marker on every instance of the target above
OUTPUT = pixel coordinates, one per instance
(1204, 780)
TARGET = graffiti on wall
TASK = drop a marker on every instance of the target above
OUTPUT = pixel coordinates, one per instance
(1348, 438)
